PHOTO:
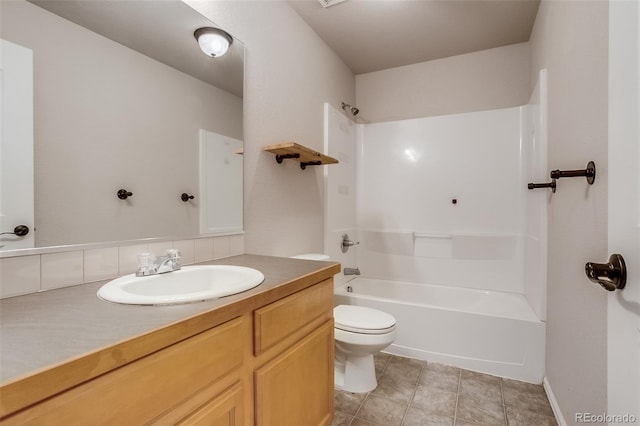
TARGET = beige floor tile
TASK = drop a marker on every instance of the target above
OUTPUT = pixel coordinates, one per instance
(435, 400)
(442, 378)
(527, 418)
(348, 402)
(417, 416)
(480, 411)
(481, 387)
(382, 411)
(396, 391)
(341, 419)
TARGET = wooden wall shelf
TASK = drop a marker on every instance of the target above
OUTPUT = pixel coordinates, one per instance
(300, 153)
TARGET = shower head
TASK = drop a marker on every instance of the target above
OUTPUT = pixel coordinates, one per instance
(351, 109)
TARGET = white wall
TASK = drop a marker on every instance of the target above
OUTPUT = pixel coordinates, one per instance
(289, 74)
(570, 40)
(489, 79)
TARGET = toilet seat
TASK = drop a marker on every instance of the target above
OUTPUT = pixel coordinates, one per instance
(363, 320)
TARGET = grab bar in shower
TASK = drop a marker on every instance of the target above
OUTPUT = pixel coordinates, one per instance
(439, 236)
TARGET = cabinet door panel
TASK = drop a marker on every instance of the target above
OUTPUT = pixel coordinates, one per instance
(296, 388)
(225, 410)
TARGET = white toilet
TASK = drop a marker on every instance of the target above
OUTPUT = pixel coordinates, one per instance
(360, 333)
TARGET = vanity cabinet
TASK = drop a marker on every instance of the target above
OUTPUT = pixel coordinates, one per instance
(167, 383)
(295, 349)
(271, 365)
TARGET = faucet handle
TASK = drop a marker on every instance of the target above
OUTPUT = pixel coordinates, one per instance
(145, 264)
(173, 254)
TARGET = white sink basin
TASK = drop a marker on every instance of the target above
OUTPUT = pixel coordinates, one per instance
(189, 284)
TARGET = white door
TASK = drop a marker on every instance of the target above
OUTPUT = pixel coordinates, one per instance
(16, 144)
(623, 357)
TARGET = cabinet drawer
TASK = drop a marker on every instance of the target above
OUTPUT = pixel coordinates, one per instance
(281, 319)
(143, 389)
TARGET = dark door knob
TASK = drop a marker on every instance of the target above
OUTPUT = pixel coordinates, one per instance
(611, 276)
(20, 231)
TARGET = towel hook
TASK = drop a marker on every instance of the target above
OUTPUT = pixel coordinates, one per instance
(123, 194)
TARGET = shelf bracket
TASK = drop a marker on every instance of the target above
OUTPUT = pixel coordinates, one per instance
(280, 157)
(304, 164)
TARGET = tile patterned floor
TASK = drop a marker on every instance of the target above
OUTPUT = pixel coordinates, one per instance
(411, 392)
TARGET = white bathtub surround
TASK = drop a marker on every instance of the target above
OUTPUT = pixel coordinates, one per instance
(487, 331)
(455, 182)
(49, 268)
(446, 221)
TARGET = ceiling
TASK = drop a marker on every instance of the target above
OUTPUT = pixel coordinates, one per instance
(372, 35)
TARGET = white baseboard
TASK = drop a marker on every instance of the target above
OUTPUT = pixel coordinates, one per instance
(554, 402)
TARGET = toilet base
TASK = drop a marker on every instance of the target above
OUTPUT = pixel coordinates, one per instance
(354, 373)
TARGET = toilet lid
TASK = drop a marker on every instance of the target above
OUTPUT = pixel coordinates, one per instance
(359, 319)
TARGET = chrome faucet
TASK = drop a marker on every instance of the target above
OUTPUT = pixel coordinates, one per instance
(351, 271)
(150, 265)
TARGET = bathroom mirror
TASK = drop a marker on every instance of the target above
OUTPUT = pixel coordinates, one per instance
(121, 93)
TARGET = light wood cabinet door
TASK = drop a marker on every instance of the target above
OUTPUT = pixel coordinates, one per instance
(226, 409)
(296, 387)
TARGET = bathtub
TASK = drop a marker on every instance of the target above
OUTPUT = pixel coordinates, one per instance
(487, 331)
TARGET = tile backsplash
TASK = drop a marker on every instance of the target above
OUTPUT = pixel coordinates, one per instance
(38, 272)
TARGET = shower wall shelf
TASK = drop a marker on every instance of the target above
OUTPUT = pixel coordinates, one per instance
(305, 156)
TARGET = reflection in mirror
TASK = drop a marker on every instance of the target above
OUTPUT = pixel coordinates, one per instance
(106, 117)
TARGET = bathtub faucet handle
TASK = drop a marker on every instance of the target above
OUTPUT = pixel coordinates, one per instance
(346, 243)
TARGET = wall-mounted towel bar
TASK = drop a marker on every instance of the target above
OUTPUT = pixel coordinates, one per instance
(589, 173)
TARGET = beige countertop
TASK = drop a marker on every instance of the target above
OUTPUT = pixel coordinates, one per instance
(41, 331)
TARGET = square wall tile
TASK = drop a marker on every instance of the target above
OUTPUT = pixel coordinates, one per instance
(128, 258)
(100, 264)
(187, 249)
(19, 275)
(159, 249)
(220, 247)
(204, 249)
(61, 269)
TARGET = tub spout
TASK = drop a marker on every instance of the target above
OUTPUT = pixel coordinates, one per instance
(351, 271)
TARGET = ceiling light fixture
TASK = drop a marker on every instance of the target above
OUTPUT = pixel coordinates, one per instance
(329, 3)
(213, 42)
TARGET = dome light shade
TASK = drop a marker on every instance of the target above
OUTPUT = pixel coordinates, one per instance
(213, 42)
